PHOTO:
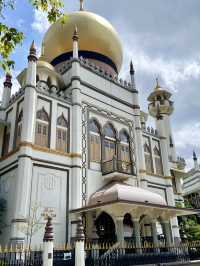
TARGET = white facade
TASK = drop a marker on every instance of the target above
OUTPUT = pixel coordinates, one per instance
(45, 178)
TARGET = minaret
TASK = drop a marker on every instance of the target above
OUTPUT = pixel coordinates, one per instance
(24, 176)
(30, 97)
(161, 108)
(195, 159)
(6, 91)
(140, 163)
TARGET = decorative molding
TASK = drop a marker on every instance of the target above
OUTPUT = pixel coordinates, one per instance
(48, 150)
(9, 154)
(168, 177)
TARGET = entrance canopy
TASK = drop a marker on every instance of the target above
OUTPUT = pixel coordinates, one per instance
(119, 197)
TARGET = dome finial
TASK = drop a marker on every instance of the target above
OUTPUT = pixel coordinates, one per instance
(157, 84)
(81, 5)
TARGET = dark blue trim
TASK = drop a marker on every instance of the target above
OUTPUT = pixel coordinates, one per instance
(85, 54)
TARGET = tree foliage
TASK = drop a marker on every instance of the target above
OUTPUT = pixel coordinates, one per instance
(191, 228)
(10, 37)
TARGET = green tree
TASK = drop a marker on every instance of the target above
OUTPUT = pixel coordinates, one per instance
(10, 37)
(191, 228)
(2, 211)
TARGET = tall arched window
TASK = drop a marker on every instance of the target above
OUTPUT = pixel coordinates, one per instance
(158, 160)
(109, 142)
(61, 133)
(19, 128)
(42, 128)
(148, 156)
(124, 146)
(95, 142)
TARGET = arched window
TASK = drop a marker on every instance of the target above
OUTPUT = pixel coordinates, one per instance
(95, 141)
(158, 159)
(124, 146)
(109, 142)
(42, 128)
(61, 134)
(148, 156)
(19, 128)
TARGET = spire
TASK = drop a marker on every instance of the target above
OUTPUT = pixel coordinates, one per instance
(43, 46)
(8, 81)
(75, 43)
(157, 84)
(81, 5)
(132, 74)
(32, 54)
(132, 70)
(194, 156)
(75, 36)
(196, 166)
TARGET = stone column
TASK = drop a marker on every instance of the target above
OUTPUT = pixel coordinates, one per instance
(167, 232)
(154, 234)
(80, 245)
(136, 231)
(48, 244)
(120, 228)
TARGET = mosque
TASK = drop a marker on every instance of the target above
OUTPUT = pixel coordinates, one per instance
(74, 142)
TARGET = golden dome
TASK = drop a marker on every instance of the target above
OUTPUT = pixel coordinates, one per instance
(97, 37)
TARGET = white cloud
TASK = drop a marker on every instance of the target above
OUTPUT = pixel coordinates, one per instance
(172, 72)
(40, 23)
(188, 135)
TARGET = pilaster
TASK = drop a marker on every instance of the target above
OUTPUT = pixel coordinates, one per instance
(76, 129)
(22, 198)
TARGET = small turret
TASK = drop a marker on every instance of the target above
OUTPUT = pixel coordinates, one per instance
(75, 43)
(31, 70)
(195, 159)
(6, 90)
(132, 74)
(160, 102)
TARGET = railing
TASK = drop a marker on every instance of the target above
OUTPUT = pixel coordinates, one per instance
(20, 257)
(127, 254)
(116, 165)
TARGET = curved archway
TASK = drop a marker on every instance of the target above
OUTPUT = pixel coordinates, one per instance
(105, 228)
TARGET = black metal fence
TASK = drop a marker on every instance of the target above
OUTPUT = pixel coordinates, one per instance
(128, 254)
(20, 258)
(64, 256)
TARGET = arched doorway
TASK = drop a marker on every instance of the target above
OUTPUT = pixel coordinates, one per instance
(105, 228)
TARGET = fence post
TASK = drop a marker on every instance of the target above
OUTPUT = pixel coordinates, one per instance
(48, 243)
(80, 245)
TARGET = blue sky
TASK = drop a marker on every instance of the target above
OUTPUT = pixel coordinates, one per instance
(162, 38)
